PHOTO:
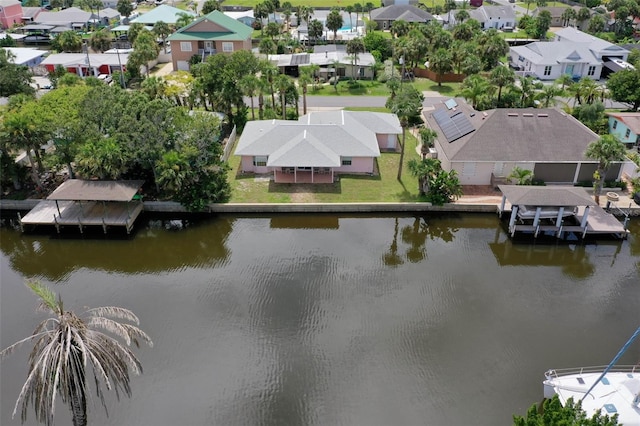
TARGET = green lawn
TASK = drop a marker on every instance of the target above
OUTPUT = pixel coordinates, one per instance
(351, 188)
(532, 6)
(523, 34)
(375, 88)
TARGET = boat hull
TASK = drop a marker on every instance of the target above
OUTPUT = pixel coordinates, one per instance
(617, 393)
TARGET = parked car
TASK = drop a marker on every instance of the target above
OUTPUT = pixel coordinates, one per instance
(106, 78)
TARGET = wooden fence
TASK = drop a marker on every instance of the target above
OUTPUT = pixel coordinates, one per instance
(231, 140)
(443, 78)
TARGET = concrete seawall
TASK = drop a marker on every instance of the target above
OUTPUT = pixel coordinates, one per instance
(173, 207)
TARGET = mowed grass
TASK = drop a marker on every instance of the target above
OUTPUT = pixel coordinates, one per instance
(375, 88)
(383, 187)
(533, 5)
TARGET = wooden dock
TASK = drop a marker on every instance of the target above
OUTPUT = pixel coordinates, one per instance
(84, 214)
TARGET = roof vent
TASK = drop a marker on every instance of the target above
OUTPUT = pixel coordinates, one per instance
(473, 114)
(543, 115)
(527, 114)
(512, 114)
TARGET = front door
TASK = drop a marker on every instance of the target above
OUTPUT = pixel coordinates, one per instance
(569, 70)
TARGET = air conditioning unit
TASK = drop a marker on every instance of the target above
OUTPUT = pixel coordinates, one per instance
(433, 153)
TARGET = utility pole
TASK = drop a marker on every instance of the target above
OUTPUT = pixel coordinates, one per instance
(86, 50)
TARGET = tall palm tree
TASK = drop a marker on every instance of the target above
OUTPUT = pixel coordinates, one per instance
(283, 82)
(162, 30)
(68, 348)
(605, 150)
(303, 81)
(501, 77)
(548, 95)
(424, 170)
(405, 105)
(249, 86)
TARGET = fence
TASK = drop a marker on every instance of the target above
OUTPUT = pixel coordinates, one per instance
(442, 78)
(231, 140)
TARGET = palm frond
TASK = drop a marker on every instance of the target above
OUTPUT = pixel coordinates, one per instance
(114, 312)
(47, 296)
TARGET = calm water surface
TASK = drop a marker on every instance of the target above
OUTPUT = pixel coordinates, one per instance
(332, 321)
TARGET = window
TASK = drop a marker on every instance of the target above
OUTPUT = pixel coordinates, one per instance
(346, 161)
(227, 47)
(592, 70)
(615, 124)
(627, 133)
(469, 169)
(520, 58)
(259, 161)
(547, 70)
(185, 46)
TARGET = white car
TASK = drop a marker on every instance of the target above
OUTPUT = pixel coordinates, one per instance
(106, 78)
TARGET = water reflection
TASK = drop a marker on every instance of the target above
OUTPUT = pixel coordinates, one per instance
(415, 236)
(152, 249)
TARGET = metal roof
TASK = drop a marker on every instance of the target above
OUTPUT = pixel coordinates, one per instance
(96, 190)
(557, 196)
(453, 127)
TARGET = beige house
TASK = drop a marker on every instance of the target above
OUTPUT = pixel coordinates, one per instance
(211, 34)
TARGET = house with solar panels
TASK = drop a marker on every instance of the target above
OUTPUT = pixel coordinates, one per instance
(318, 146)
(483, 147)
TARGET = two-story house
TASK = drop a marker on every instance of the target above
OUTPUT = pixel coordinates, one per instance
(626, 127)
(208, 35)
(10, 13)
(571, 52)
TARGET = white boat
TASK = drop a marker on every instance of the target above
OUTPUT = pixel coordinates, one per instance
(614, 390)
(618, 392)
(546, 212)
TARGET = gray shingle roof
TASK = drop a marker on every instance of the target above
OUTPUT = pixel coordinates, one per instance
(486, 13)
(536, 135)
(547, 195)
(317, 139)
(64, 17)
(545, 53)
(397, 11)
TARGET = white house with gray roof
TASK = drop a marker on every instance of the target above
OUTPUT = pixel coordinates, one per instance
(484, 146)
(571, 52)
(72, 17)
(497, 17)
(317, 146)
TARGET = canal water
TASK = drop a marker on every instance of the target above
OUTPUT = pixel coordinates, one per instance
(325, 320)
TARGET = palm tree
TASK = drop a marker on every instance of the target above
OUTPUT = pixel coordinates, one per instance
(354, 47)
(501, 77)
(473, 88)
(405, 105)
(100, 40)
(249, 86)
(427, 136)
(162, 30)
(350, 9)
(521, 176)
(568, 15)
(67, 348)
(564, 81)
(605, 150)
(358, 9)
(548, 95)
(283, 82)
(334, 23)
(423, 170)
(184, 19)
(303, 81)
(70, 41)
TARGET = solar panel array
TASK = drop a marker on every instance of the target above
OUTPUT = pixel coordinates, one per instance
(454, 127)
(300, 59)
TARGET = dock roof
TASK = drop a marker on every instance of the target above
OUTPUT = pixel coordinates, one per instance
(541, 196)
(96, 190)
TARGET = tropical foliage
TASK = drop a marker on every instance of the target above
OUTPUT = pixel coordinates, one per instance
(68, 349)
(606, 151)
(439, 186)
(554, 413)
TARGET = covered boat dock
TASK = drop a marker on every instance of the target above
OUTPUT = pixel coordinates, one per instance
(85, 203)
(557, 210)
